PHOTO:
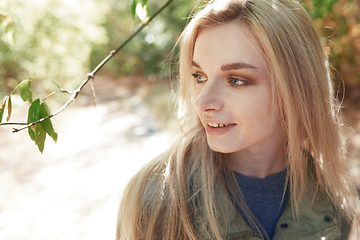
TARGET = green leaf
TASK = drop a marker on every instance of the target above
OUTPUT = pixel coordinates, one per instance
(9, 109)
(2, 109)
(133, 9)
(31, 131)
(143, 2)
(33, 116)
(25, 90)
(37, 132)
(47, 124)
(34, 111)
(40, 136)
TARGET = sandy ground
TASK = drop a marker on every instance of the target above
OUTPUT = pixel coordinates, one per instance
(72, 190)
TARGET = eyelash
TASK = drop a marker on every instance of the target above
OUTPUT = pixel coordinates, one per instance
(243, 82)
(231, 81)
(196, 76)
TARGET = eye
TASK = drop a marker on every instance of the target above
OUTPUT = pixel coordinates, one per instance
(236, 82)
(199, 78)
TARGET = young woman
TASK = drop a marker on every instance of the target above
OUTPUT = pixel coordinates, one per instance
(261, 156)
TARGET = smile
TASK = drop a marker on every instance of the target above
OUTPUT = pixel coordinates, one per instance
(219, 125)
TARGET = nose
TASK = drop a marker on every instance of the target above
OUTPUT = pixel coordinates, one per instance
(209, 97)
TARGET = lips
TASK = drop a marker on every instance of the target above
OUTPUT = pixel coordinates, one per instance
(216, 129)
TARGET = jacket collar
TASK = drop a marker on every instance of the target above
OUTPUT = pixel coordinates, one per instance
(316, 218)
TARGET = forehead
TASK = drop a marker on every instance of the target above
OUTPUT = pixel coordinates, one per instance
(227, 43)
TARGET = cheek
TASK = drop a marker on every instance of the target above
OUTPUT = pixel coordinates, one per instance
(267, 119)
(193, 93)
(256, 111)
(263, 103)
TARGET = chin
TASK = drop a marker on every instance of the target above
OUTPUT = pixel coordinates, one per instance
(220, 149)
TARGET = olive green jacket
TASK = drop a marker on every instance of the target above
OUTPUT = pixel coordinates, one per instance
(317, 220)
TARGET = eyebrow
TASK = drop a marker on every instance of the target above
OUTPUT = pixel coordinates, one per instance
(231, 66)
(194, 64)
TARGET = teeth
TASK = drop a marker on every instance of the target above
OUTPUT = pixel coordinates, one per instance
(217, 125)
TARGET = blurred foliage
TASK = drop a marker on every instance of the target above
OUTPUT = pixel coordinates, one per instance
(48, 39)
(62, 40)
(146, 54)
(338, 22)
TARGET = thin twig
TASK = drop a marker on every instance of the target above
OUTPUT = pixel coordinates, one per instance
(89, 75)
(93, 91)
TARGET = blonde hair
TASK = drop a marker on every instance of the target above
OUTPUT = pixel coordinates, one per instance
(174, 195)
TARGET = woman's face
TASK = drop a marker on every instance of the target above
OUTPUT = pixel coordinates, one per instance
(233, 94)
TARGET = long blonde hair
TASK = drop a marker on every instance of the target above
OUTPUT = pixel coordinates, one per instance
(174, 195)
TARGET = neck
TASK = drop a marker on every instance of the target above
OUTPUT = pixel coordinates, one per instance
(259, 165)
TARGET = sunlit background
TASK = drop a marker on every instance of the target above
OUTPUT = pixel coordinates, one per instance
(72, 190)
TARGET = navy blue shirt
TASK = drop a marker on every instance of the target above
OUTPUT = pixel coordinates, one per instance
(264, 197)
